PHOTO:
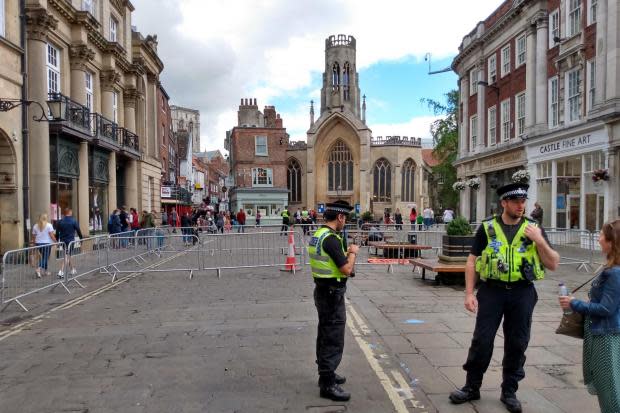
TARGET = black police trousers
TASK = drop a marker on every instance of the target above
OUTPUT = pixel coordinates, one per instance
(329, 302)
(516, 306)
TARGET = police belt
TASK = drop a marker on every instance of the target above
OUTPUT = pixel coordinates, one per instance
(507, 285)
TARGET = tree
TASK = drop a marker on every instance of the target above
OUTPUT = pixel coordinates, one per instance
(446, 144)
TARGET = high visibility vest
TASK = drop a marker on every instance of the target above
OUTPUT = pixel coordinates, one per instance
(285, 214)
(509, 262)
(321, 264)
(305, 214)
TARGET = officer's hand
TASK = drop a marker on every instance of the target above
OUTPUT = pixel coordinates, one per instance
(471, 303)
(534, 233)
(565, 302)
(353, 248)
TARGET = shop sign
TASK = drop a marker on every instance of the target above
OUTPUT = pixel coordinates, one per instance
(502, 160)
(166, 192)
(571, 144)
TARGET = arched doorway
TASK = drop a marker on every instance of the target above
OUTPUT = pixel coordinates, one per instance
(10, 214)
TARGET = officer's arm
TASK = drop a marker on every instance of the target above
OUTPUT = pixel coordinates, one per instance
(347, 268)
(470, 274)
(549, 257)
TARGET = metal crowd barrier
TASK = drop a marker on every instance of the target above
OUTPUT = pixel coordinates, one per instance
(574, 246)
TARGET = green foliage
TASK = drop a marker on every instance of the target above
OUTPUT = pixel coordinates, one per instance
(445, 144)
(458, 226)
(367, 216)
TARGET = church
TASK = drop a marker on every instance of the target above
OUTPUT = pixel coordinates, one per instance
(340, 158)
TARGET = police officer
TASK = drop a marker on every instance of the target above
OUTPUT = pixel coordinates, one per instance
(285, 221)
(331, 263)
(510, 252)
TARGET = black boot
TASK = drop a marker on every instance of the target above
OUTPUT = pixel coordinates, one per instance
(334, 392)
(513, 405)
(465, 394)
(337, 378)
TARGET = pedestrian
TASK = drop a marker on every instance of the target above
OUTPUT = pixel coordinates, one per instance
(43, 236)
(537, 213)
(398, 219)
(227, 222)
(298, 216)
(174, 222)
(601, 341)
(305, 221)
(114, 222)
(186, 229)
(164, 217)
(427, 215)
(219, 222)
(135, 221)
(66, 229)
(510, 252)
(419, 222)
(285, 221)
(241, 221)
(123, 216)
(413, 216)
(331, 264)
(258, 217)
(387, 220)
(448, 216)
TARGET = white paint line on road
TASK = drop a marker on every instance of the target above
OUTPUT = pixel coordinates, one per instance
(398, 396)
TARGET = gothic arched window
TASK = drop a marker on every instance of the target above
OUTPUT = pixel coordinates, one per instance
(293, 181)
(382, 179)
(335, 76)
(340, 168)
(408, 181)
(346, 75)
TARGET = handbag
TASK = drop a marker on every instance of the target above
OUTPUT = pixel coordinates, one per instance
(572, 324)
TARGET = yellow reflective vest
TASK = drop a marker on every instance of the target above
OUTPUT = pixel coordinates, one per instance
(321, 264)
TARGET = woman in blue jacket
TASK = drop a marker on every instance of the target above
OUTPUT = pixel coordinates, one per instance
(601, 344)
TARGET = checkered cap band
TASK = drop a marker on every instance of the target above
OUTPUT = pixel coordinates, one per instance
(515, 193)
(338, 209)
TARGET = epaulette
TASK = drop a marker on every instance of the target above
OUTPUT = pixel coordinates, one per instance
(530, 219)
(489, 218)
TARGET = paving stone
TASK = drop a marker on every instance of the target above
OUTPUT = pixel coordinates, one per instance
(433, 340)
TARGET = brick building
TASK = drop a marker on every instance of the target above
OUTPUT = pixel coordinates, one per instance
(168, 145)
(535, 94)
(257, 148)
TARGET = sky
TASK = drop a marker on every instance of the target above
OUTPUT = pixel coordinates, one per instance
(218, 52)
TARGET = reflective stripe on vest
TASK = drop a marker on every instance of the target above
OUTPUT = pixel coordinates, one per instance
(504, 261)
(321, 264)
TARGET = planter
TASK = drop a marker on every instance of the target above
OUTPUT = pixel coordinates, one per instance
(456, 246)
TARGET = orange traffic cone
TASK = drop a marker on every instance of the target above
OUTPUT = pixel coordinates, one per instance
(291, 262)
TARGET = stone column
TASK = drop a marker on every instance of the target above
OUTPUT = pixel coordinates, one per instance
(39, 22)
(481, 108)
(611, 199)
(601, 51)
(464, 135)
(531, 64)
(542, 44)
(83, 201)
(533, 190)
(80, 55)
(109, 78)
(112, 182)
(554, 194)
(481, 200)
(582, 194)
(130, 98)
(465, 198)
(131, 183)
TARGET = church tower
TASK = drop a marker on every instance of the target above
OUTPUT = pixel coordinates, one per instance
(340, 80)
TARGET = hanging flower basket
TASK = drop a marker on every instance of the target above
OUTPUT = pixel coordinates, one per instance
(474, 183)
(458, 186)
(522, 176)
(600, 175)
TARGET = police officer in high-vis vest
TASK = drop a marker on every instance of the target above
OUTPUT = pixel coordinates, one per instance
(331, 262)
(510, 253)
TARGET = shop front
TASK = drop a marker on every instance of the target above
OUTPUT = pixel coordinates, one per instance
(572, 181)
(269, 201)
(64, 174)
(98, 190)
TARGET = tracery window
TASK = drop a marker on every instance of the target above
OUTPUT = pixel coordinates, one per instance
(293, 181)
(382, 179)
(340, 168)
(346, 72)
(407, 193)
(335, 76)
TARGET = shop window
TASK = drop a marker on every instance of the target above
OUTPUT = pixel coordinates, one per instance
(262, 177)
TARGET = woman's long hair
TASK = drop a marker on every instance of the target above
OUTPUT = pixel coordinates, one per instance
(611, 232)
(42, 222)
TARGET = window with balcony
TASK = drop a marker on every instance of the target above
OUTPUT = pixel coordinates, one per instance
(473, 81)
(115, 107)
(492, 125)
(505, 120)
(520, 114)
(53, 69)
(521, 50)
(573, 95)
(473, 132)
(89, 90)
(554, 102)
(592, 11)
(554, 27)
(262, 177)
(260, 146)
(573, 21)
(505, 60)
(492, 69)
(591, 83)
(113, 30)
(2, 18)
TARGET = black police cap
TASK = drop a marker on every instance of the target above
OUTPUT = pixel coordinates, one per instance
(513, 191)
(341, 207)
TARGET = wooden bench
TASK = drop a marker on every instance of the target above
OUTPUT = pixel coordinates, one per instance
(433, 264)
(396, 247)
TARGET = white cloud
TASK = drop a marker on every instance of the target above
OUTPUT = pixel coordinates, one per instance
(217, 52)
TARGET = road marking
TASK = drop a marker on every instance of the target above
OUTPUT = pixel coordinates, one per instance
(398, 395)
(24, 325)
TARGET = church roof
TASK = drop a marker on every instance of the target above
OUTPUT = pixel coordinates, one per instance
(428, 158)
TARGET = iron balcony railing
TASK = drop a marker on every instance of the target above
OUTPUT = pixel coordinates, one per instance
(105, 129)
(129, 140)
(70, 111)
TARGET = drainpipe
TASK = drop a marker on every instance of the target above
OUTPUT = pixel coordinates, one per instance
(25, 132)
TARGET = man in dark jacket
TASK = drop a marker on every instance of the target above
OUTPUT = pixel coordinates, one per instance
(186, 228)
(66, 229)
(124, 219)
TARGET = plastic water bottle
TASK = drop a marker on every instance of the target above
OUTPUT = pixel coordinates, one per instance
(564, 293)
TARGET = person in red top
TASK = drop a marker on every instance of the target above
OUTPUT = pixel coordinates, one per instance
(241, 221)
(412, 218)
(135, 223)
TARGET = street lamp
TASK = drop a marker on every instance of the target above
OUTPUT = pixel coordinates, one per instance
(10, 104)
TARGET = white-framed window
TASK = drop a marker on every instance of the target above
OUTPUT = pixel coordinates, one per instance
(505, 60)
(521, 50)
(473, 81)
(492, 125)
(260, 146)
(53, 69)
(492, 69)
(592, 11)
(473, 132)
(554, 27)
(113, 29)
(591, 83)
(115, 107)
(90, 6)
(89, 90)
(2, 18)
(505, 120)
(520, 113)
(573, 17)
(262, 177)
(554, 102)
(573, 95)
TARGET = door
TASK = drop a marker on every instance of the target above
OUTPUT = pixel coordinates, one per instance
(572, 217)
